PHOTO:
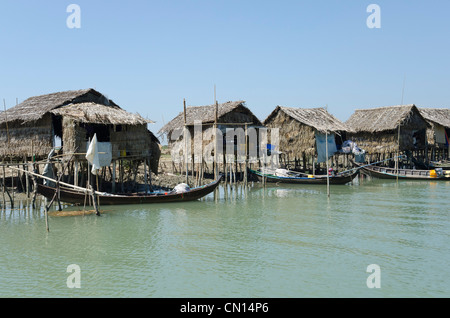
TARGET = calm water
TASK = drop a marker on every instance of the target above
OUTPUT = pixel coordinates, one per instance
(279, 241)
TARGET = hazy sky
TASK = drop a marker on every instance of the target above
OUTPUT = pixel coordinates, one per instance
(149, 55)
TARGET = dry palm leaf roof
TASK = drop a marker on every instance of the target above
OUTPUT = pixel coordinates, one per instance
(99, 114)
(439, 116)
(318, 118)
(207, 114)
(87, 104)
(380, 119)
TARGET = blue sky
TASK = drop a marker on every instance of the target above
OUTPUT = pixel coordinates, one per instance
(149, 55)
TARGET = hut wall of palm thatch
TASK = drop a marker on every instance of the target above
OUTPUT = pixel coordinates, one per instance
(295, 138)
(439, 121)
(386, 130)
(20, 140)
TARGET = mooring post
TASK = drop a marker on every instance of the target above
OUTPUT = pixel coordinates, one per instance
(46, 208)
(35, 185)
(94, 201)
(3, 185)
(145, 175)
(113, 186)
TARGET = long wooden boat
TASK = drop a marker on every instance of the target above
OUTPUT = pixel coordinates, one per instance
(317, 179)
(79, 197)
(445, 165)
(407, 174)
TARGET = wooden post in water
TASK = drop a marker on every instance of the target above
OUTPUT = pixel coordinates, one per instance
(314, 165)
(3, 186)
(246, 154)
(398, 153)
(216, 167)
(46, 208)
(200, 172)
(94, 201)
(75, 173)
(145, 175)
(113, 186)
(35, 185)
(11, 199)
(225, 169)
(264, 167)
(12, 188)
(186, 159)
(121, 172)
(326, 153)
(27, 182)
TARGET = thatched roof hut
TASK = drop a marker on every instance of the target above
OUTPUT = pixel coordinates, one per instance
(229, 112)
(232, 114)
(30, 128)
(298, 128)
(439, 130)
(388, 129)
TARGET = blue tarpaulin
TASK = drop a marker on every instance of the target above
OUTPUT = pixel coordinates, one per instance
(321, 144)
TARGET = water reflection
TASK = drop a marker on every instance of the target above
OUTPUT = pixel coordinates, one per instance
(255, 241)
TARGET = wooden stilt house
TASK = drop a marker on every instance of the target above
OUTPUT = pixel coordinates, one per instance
(299, 129)
(67, 121)
(386, 132)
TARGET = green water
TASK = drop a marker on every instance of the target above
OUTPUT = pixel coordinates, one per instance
(279, 241)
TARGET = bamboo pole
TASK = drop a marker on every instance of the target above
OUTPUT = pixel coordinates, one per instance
(145, 176)
(200, 173)
(98, 197)
(398, 153)
(11, 199)
(3, 186)
(150, 182)
(328, 174)
(185, 140)
(225, 168)
(27, 182)
(246, 155)
(33, 201)
(216, 167)
(46, 207)
(121, 172)
(12, 184)
(75, 173)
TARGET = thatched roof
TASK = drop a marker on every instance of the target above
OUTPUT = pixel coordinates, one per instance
(35, 107)
(440, 116)
(317, 118)
(379, 119)
(99, 114)
(206, 114)
(88, 105)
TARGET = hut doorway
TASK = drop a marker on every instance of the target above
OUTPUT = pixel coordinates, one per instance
(57, 131)
(103, 133)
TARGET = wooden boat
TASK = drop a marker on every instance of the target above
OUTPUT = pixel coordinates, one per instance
(445, 165)
(341, 178)
(75, 196)
(407, 174)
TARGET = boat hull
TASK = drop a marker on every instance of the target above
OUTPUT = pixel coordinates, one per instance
(343, 179)
(406, 174)
(80, 198)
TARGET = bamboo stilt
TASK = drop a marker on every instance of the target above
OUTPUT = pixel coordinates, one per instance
(3, 187)
(46, 207)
